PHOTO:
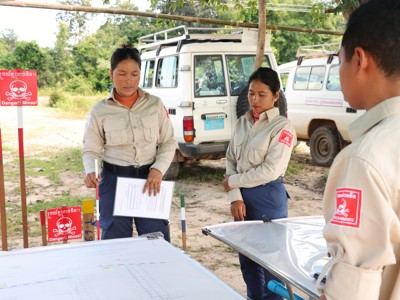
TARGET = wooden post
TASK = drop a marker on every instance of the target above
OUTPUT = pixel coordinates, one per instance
(43, 226)
(88, 216)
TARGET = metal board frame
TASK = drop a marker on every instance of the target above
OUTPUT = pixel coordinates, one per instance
(292, 248)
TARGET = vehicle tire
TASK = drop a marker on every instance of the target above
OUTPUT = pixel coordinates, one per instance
(324, 145)
(242, 104)
(172, 171)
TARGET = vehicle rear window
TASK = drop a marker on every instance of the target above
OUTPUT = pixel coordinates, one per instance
(167, 72)
(209, 76)
(309, 78)
(147, 73)
(240, 67)
(333, 83)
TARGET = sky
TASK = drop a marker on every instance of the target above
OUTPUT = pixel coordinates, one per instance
(35, 24)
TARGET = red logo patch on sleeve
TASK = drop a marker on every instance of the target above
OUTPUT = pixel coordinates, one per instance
(286, 138)
(348, 207)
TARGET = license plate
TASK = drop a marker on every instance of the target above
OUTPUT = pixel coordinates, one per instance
(214, 124)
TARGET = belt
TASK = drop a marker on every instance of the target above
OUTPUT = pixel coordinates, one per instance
(127, 170)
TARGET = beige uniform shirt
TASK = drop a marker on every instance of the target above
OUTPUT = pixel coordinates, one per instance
(124, 136)
(361, 206)
(258, 152)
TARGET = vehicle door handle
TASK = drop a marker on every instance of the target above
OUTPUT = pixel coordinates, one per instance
(221, 101)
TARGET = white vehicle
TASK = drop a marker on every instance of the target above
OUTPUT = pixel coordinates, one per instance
(315, 102)
(199, 73)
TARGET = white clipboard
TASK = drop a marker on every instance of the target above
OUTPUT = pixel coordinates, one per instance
(130, 201)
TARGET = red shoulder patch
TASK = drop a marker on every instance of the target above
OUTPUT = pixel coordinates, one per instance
(348, 207)
(286, 138)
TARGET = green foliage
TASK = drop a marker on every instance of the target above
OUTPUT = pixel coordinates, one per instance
(74, 104)
(80, 62)
(78, 85)
(200, 173)
(57, 96)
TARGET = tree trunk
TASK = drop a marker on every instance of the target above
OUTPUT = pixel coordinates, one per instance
(262, 26)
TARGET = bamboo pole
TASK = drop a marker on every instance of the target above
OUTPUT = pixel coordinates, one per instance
(117, 11)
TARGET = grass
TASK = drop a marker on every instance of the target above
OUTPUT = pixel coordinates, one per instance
(49, 163)
(79, 106)
(198, 173)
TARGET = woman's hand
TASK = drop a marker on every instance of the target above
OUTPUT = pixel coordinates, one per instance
(238, 210)
(225, 182)
(91, 181)
(153, 182)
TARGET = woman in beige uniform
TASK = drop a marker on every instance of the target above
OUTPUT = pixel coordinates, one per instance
(130, 131)
(256, 161)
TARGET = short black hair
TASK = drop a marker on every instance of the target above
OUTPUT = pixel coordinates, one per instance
(126, 51)
(268, 77)
(375, 27)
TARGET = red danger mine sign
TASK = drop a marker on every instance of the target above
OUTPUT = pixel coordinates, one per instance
(64, 223)
(18, 88)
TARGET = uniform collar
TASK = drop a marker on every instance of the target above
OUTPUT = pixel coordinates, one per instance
(142, 95)
(268, 115)
(373, 116)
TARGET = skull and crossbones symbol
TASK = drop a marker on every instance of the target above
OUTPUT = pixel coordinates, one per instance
(342, 209)
(64, 227)
(18, 90)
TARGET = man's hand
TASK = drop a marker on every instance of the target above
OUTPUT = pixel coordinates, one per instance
(91, 181)
(225, 182)
(153, 182)
(238, 210)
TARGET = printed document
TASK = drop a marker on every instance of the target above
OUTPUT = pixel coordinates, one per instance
(130, 201)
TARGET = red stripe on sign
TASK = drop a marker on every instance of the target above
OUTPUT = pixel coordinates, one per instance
(42, 217)
(21, 141)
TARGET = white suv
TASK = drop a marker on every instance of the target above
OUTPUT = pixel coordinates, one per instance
(199, 73)
(315, 102)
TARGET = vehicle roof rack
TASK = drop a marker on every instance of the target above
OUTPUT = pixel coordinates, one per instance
(184, 35)
(328, 50)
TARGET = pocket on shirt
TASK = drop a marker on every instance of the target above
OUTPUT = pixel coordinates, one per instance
(256, 156)
(116, 131)
(237, 147)
(150, 128)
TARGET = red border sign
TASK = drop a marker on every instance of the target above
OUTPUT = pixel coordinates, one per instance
(18, 88)
(64, 223)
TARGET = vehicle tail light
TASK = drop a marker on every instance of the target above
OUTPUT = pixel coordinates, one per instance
(188, 129)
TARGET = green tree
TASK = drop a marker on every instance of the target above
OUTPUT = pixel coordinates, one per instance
(27, 56)
(59, 58)
(77, 21)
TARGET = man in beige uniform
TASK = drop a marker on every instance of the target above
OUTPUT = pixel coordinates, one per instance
(361, 202)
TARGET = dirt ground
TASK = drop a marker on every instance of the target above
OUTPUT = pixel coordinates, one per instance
(206, 202)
